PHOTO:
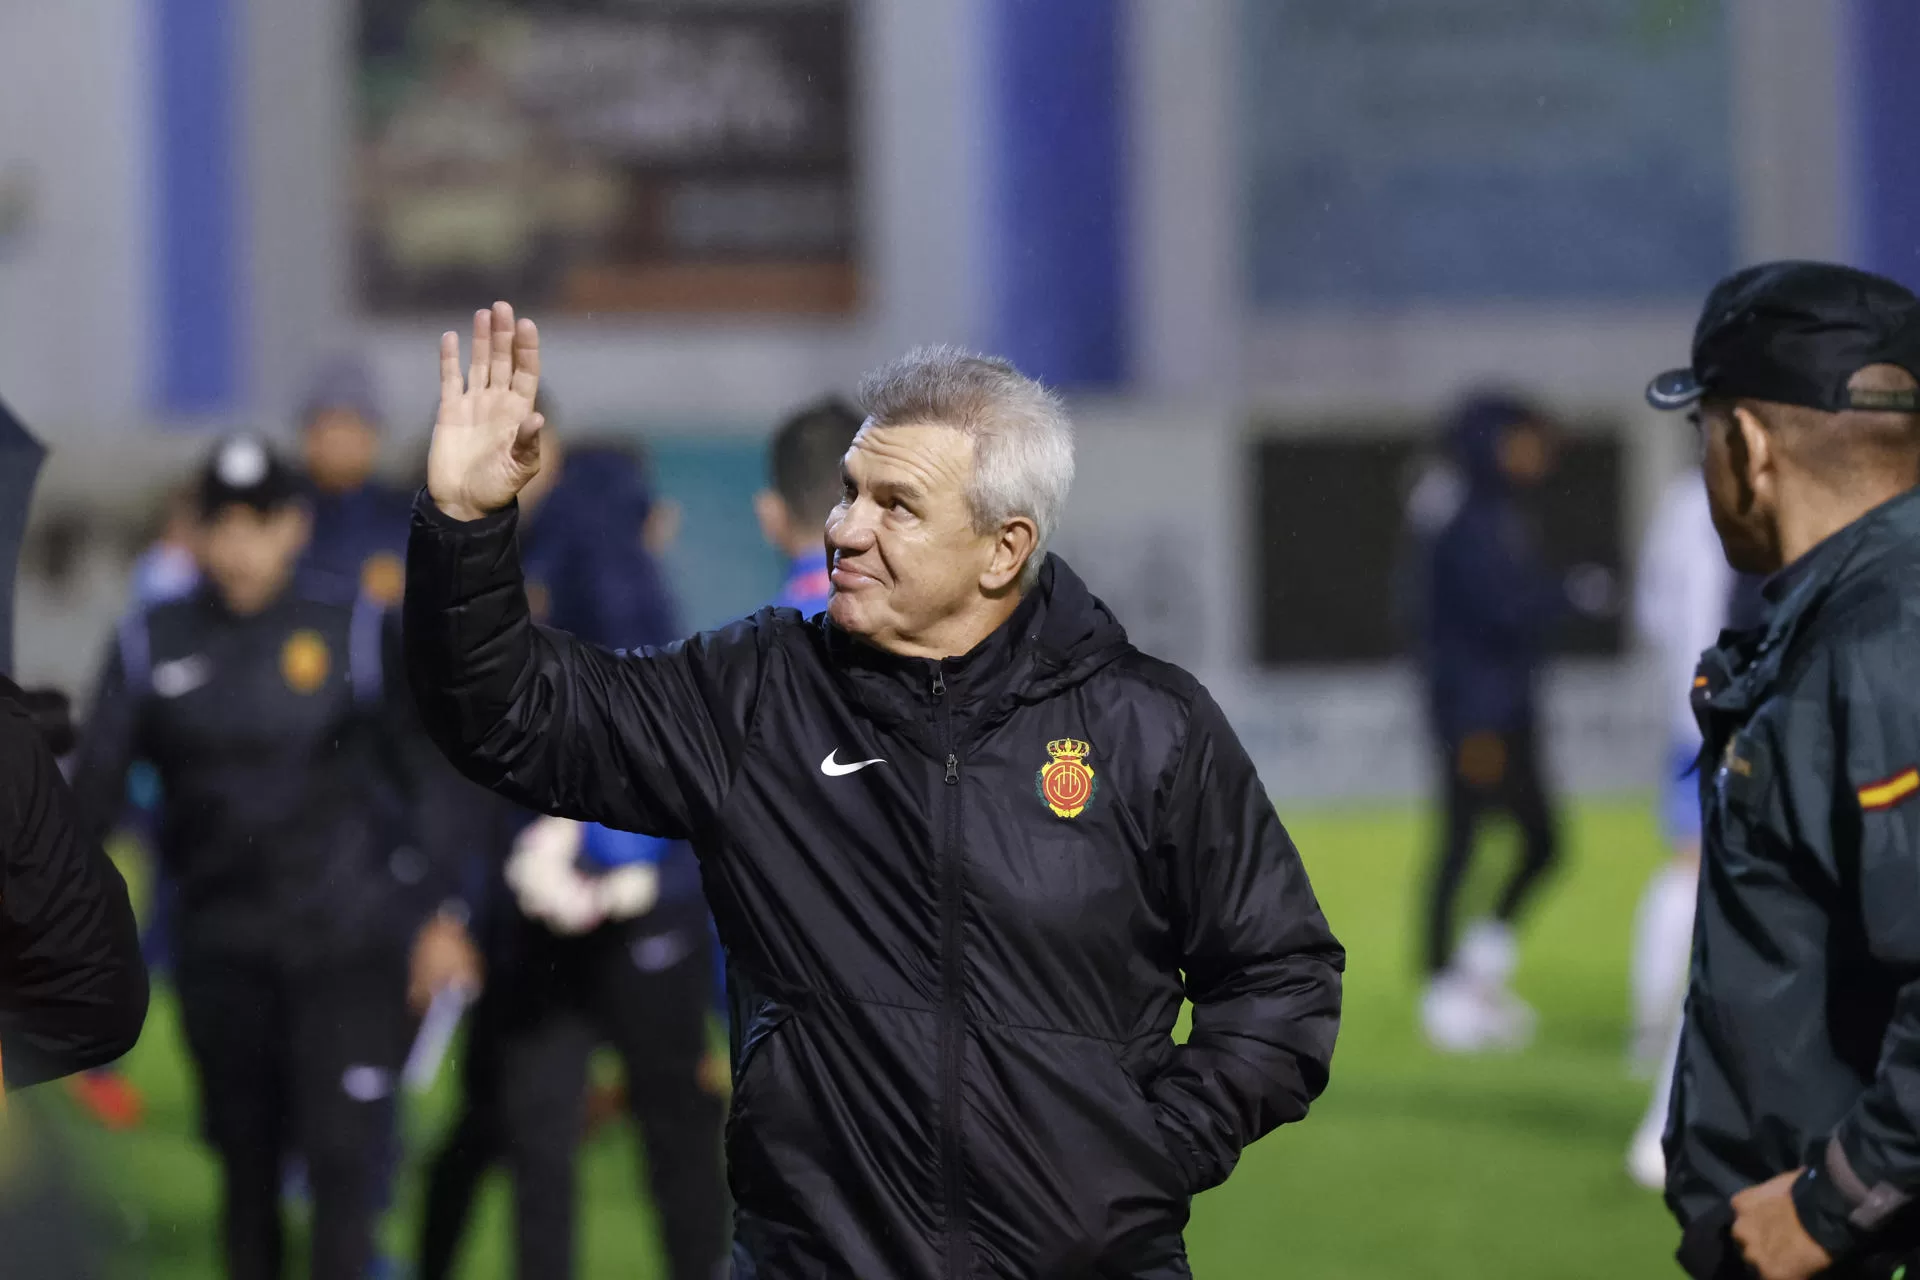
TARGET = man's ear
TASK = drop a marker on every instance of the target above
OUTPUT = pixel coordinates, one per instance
(776, 522)
(1013, 546)
(1755, 459)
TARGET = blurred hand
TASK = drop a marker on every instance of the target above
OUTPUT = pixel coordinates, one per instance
(544, 875)
(486, 438)
(1769, 1233)
(443, 956)
(1593, 590)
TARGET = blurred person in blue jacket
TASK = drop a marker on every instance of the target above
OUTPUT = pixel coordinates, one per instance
(1487, 600)
(590, 936)
(359, 523)
(803, 474)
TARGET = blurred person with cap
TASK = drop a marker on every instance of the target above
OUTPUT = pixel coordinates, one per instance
(1486, 601)
(968, 850)
(298, 824)
(359, 536)
(1793, 1138)
(166, 570)
(590, 936)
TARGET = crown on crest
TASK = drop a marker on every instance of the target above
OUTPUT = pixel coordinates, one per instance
(1069, 749)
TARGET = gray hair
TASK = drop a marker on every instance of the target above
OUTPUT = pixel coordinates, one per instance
(1022, 437)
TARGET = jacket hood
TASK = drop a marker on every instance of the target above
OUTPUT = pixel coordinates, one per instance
(1473, 434)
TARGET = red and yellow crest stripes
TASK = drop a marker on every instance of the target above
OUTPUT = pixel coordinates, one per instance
(1889, 792)
(1067, 784)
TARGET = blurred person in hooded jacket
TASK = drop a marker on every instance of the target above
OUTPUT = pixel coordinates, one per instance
(591, 936)
(1487, 599)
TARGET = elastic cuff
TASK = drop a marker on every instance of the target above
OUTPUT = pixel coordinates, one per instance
(428, 512)
(1823, 1209)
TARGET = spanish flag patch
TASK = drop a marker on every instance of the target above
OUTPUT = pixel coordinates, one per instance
(1889, 792)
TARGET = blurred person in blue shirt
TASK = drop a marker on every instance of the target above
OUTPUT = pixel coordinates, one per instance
(1487, 600)
(359, 523)
(803, 467)
(590, 936)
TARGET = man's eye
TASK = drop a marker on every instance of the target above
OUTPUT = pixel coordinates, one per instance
(902, 507)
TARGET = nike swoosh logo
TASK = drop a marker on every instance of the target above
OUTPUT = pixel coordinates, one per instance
(834, 769)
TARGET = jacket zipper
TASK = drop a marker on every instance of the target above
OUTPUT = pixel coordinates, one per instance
(953, 1003)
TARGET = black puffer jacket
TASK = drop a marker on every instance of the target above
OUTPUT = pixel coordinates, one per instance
(961, 902)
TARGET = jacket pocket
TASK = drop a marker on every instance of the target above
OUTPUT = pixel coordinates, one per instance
(750, 1055)
(1147, 1118)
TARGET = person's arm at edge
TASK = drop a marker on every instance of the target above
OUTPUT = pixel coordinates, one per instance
(1262, 968)
(73, 986)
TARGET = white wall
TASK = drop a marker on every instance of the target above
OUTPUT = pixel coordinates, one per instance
(73, 270)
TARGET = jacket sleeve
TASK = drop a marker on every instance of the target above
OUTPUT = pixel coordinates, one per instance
(108, 746)
(73, 988)
(1871, 1166)
(647, 741)
(449, 820)
(1262, 968)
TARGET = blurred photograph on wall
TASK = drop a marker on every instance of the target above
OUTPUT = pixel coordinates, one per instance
(605, 155)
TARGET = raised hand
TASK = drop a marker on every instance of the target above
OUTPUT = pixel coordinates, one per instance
(486, 439)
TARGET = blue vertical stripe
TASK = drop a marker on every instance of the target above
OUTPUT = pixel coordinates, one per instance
(198, 329)
(1886, 151)
(1058, 251)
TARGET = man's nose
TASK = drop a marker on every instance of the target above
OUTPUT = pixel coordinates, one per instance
(851, 528)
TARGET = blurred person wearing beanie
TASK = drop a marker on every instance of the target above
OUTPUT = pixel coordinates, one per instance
(301, 808)
(590, 936)
(359, 538)
(1486, 601)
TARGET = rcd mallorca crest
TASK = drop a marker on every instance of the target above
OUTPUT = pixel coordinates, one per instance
(1066, 784)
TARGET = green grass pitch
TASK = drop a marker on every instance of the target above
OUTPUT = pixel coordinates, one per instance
(1412, 1165)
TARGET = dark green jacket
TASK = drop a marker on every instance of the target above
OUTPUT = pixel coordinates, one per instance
(1802, 1036)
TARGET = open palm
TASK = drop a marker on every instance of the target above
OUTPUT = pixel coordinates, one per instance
(486, 439)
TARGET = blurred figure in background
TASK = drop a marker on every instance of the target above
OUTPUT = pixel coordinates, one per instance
(1684, 594)
(359, 540)
(296, 824)
(1487, 598)
(167, 569)
(591, 936)
(803, 470)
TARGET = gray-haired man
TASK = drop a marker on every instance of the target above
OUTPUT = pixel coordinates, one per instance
(966, 847)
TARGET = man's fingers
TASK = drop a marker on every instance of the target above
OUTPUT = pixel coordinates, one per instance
(500, 375)
(450, 385)
(526, 359)
(482, 344)
(526, 441)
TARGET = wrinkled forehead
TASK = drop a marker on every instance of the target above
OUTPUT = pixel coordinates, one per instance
(928, 456)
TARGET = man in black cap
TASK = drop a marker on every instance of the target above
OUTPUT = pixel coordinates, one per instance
(295, 786)
(1793, 1143)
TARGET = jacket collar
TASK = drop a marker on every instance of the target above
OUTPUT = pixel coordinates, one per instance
(1797, 594)
(1058, 636)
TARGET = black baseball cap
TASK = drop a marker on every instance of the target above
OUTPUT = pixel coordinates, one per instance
(244, 469)
(1794, 333)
